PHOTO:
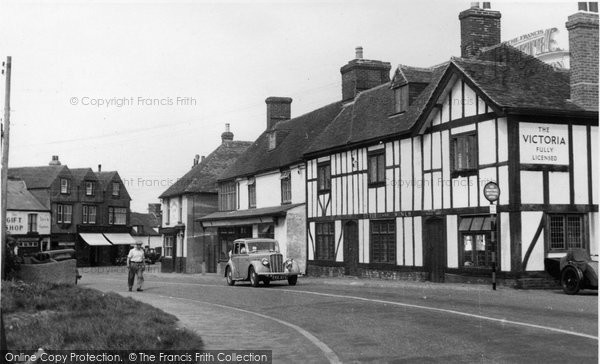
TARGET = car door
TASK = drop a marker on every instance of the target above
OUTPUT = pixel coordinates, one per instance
(244, 261)
(235, 260)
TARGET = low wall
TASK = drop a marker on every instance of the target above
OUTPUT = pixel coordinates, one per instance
(63, 272)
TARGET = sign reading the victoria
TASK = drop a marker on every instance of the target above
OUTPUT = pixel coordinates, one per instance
(544, 143)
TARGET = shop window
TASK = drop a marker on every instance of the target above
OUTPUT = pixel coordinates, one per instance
(377, 169)
(227, 235)
(169, 239)
(464, 154)
(324, 177)
(383, 241)
(325, 241)
(566, 231)
(401, 99)
(227, 196)
(286, 187)
(64, 186)
(266, 231)
(251, 193)
(32, 223)
(476, 246)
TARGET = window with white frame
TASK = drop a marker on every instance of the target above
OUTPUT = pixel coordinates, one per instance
(401, 99)
(89, 214)
(64, 186)
(64, 214)
(89, 188)
(376, 168)
(325, 241)
(324, 177)
(227, 196)
(117, 216)
(116, 188)
(169, 239)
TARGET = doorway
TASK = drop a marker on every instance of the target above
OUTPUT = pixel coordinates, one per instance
(351, 248)
(434, 243)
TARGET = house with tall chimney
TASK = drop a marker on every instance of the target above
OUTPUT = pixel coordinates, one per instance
(263, 193)
(89, 211)
(188, 247)
(442, 173)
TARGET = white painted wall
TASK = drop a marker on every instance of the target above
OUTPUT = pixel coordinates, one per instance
(486, 140)
(268, 190)
(530, 221)
(339, 241)
(532, 187)
(558, 183)
(452, 240)
(580, 168)
(504, 242)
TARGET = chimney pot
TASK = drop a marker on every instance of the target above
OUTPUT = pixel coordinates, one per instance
(474, 5)
(487, 5)
(99, 167)
(55, 161)
(227, 135)
(359, 52)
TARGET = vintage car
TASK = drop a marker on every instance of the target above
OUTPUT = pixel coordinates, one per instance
(575, 271)
(259, 260)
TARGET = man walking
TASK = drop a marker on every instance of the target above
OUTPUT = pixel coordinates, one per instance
(135, 263)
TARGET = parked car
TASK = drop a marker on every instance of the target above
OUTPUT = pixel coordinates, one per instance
(259, 260)
(575, 271)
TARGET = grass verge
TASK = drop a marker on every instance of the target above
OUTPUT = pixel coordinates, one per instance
(60, 317)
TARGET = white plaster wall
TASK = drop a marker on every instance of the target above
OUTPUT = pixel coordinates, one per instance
(452, 240)
(418, 238)
(268, 190)
(530, 221)
(505, 254)
(408, 241)
(532, 187)
(399, 241)
(486, 140)
(558, 183)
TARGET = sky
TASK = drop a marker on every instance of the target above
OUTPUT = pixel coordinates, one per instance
(142, 87)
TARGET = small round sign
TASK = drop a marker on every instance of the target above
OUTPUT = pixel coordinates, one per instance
(491, 191)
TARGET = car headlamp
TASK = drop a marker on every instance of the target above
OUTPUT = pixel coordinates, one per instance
(289, 263)
(265, 262)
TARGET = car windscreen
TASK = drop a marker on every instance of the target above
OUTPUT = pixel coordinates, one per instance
(262, 246)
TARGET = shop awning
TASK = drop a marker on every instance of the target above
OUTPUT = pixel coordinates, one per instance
(475, 223)
(94, 239)
(120, 239)
(246, 217)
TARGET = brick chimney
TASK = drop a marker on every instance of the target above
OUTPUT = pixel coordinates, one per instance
(362, 74)
(479, 28)
(278, 109)
(227, 135)
(583, 46)
(54, 161)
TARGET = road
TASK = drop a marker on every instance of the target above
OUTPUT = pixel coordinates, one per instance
(350, 320)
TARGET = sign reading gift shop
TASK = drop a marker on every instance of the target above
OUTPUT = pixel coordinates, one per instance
(544, 143)
(17, 222)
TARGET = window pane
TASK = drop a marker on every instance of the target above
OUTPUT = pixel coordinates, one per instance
(574, 235)
(557, 232)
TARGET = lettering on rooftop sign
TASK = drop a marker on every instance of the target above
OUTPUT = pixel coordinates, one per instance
(543, 44)
(544, 143)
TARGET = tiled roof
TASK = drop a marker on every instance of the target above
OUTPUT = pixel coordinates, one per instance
(79, 174)
(148, 222)
(36, 177)
(514, 79)
(105, 177)
(297, 134)
(408, 74)
(19, 198)
(508, 77)
(369, 116)
(203, 177)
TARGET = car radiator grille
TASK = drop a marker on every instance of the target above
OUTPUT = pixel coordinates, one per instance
(276, 262)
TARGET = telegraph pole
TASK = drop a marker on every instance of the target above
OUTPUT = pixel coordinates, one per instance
(5, 142)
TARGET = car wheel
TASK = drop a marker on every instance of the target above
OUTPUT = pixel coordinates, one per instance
(569, 280)
(229, 276)
(254, 279)
(292, 280)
